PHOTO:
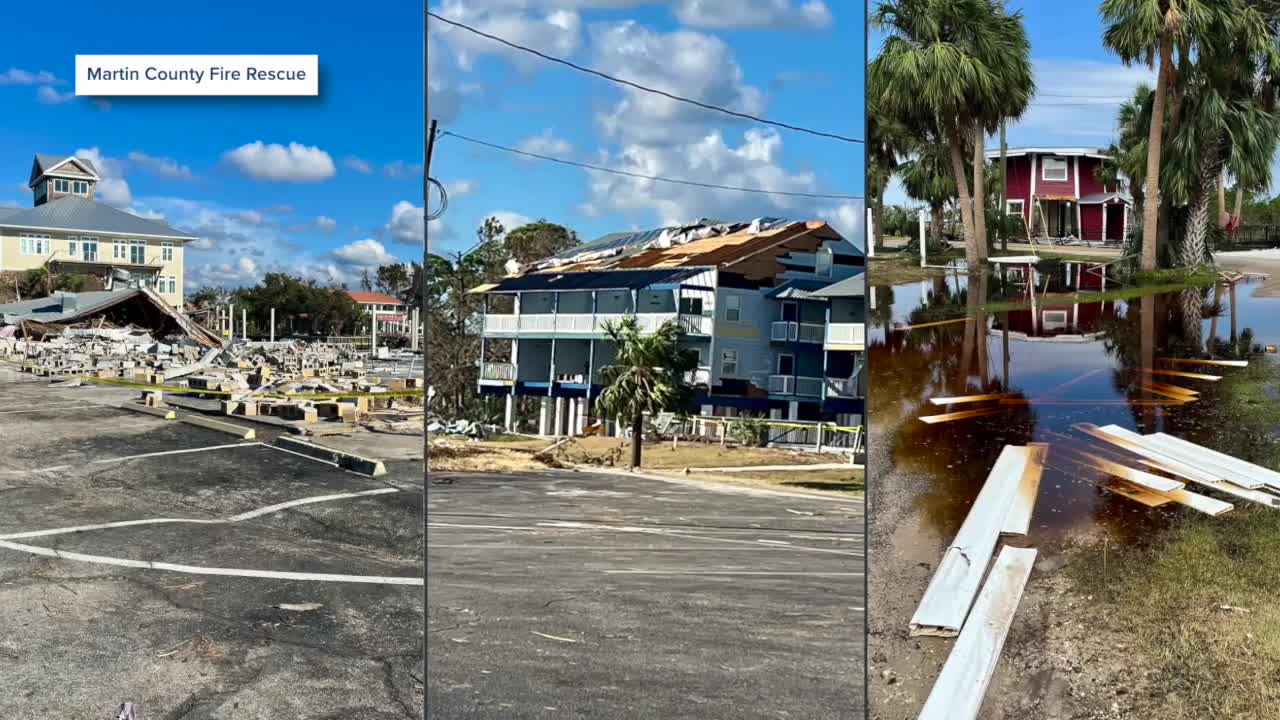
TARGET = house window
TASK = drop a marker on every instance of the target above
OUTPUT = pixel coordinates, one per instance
(786, 364)
(80, 187)
(690, 306)
(167, 284)
(88, 249)
(1015, 207)
(137, 252)
(60, 185)
(1054, 169)
(822, 266)
(34, 244)
(733, 309)
(73, 248)
(729, 363)
(166, 251)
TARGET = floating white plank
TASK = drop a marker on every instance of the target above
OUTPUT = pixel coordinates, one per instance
(1203, 503)
(1193, 457)
(1222, 460)
(1018, 519)
(960, 688)
(950, 593)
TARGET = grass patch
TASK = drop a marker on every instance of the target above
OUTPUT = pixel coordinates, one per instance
(901, 269)
(1197, 602)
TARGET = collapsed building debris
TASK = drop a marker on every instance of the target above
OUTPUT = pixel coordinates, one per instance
(133, 338)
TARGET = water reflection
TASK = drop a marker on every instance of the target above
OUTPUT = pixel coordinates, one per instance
(1062, 362)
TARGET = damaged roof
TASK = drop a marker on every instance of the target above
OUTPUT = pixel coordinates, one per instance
(588, 280)
(66, 307)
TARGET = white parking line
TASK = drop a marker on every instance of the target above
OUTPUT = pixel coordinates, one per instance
(197, 569)
(733, 572)
(53, 468)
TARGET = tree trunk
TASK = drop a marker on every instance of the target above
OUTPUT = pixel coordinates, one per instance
(980, 191)
(962, 190)
(877, 218)
(936, 219)
(1239, 211)
(1004, 187)
(1151, 192)
(1196, 242)
(1223, 217)
(637, 438)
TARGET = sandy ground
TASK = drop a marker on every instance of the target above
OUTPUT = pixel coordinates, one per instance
(1055, 665)
(1264, 261)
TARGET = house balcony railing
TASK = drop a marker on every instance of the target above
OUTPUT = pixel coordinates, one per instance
(795, 385)
(787, 331)
(846, 334)
(842, 387)
(699, 376)
(588, 323)
(578, 378)
(498, 372)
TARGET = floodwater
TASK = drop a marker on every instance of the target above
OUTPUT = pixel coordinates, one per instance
(1064, 362)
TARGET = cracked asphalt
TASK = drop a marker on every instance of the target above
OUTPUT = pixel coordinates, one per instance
(79, 638)
(571, 595)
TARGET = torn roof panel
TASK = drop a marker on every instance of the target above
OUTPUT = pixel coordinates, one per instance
(588, 280)
(67, 308)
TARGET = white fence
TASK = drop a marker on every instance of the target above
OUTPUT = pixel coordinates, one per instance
(785, 331)
(846, 334)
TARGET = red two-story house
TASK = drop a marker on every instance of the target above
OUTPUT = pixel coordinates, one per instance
(1058, 194)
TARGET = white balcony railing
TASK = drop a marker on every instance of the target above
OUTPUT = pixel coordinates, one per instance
(504, 372)
(787, 331)
(700, 376)
(795, 385)
(842, 387)
(588, 324)
(846, 334)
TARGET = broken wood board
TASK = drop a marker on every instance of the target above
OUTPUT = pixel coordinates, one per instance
(903, 328)
(1179, 373)
(1125, 439)
(962, 415)
(1128, 474)
(1155, 390)
(1137, 494)
(1203, 503)
(962, 685)
(946, 601)
(971, 398)
(1178, 389)
(1232, 464)
(1219, 363)
(1018, 520)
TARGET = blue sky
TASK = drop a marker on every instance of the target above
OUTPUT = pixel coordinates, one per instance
(1069, 59)
(794, 61)
(343, 190)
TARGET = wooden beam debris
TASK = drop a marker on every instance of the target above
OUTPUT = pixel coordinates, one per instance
(1194, 361)
(971, 398)
(1150, 498)
(961, 687)
(904, 328)
(946, 602)
(962, 415)
(1179, 373)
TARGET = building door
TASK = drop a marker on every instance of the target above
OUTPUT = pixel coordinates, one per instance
(790, 312)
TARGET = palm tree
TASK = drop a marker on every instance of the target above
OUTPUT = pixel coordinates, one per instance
(927, 177)
(648, 375)
(1141, 30)
(886, 141)
(964, 64)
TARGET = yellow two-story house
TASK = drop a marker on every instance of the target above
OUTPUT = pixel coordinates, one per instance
(70, 232)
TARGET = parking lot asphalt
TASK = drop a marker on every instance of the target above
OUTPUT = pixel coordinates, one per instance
(312, 610)
(561, 594)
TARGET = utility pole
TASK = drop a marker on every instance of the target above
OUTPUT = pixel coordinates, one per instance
(1004, 188)
(431, 143)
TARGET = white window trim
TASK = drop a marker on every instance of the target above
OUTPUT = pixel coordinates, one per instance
(87, 241)
(33, 244)
(1022, 207)
(728, 309)
(778, 365)
(166, 251)
(1044, 170)
(725, 362)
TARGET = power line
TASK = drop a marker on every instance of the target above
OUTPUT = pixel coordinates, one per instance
(646, 177)
(581, 68)
(1085, 97)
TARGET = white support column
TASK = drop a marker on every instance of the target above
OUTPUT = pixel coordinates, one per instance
(923, 252)
(231, 322)
(793, 410)
(707, 428)
(244, 324)
(871, 234)
(1104, 221)
(273, 324)
(583, 415)
(544, 416)
(558, 420)
(509, 414)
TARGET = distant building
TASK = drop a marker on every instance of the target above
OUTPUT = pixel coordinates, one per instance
(71, 232)
(749, 297)
(392, 312)
(1057, 193)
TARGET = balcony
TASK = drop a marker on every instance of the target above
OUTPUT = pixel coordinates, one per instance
(587, 323)
(497, 373)
(842, 387)
(847, 334)
(793, 385)
(785, 331)
(699, 376)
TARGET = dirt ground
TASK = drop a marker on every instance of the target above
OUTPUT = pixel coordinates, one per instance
(1254, 262)
(1075, 671)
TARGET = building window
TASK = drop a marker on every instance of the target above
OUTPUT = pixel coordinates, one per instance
(1015, 207)
(34, 244)
(119, 250)
(733, 309)
(786, 364)
(137, 252)
(166, 251)
(690, 306)
(88, 249)
(1054, 169)
(729, 363)
(822, 265)
(80, 187)
(73, 248)
(60, 185)
(167, 284)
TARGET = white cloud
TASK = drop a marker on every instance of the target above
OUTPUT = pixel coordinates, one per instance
(849, 219)
(247, 265)
(162, 166)
(768, 14)
(112, 188)
(401, 170)
(754, 163)
(360, 165)
(365, 253)
(546, 143)
(250, 217)
(326, 224)
(685, 63)
(1088, 115)
(17, 76)
(407, 224)
(273, 162)
(458, 188)
(556, 32)
(510, 220)
(48, 96)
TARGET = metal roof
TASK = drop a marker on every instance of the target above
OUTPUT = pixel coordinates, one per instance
(796, 289)
(1059, 151)
(1103, 197)
(44, 161)
(72, 212)
(590, 280)
(855, 286)
(7, 211)
(61, 306)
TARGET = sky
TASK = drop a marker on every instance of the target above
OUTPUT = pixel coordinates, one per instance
(1069, 60)
(799, 62)
(322, 187)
